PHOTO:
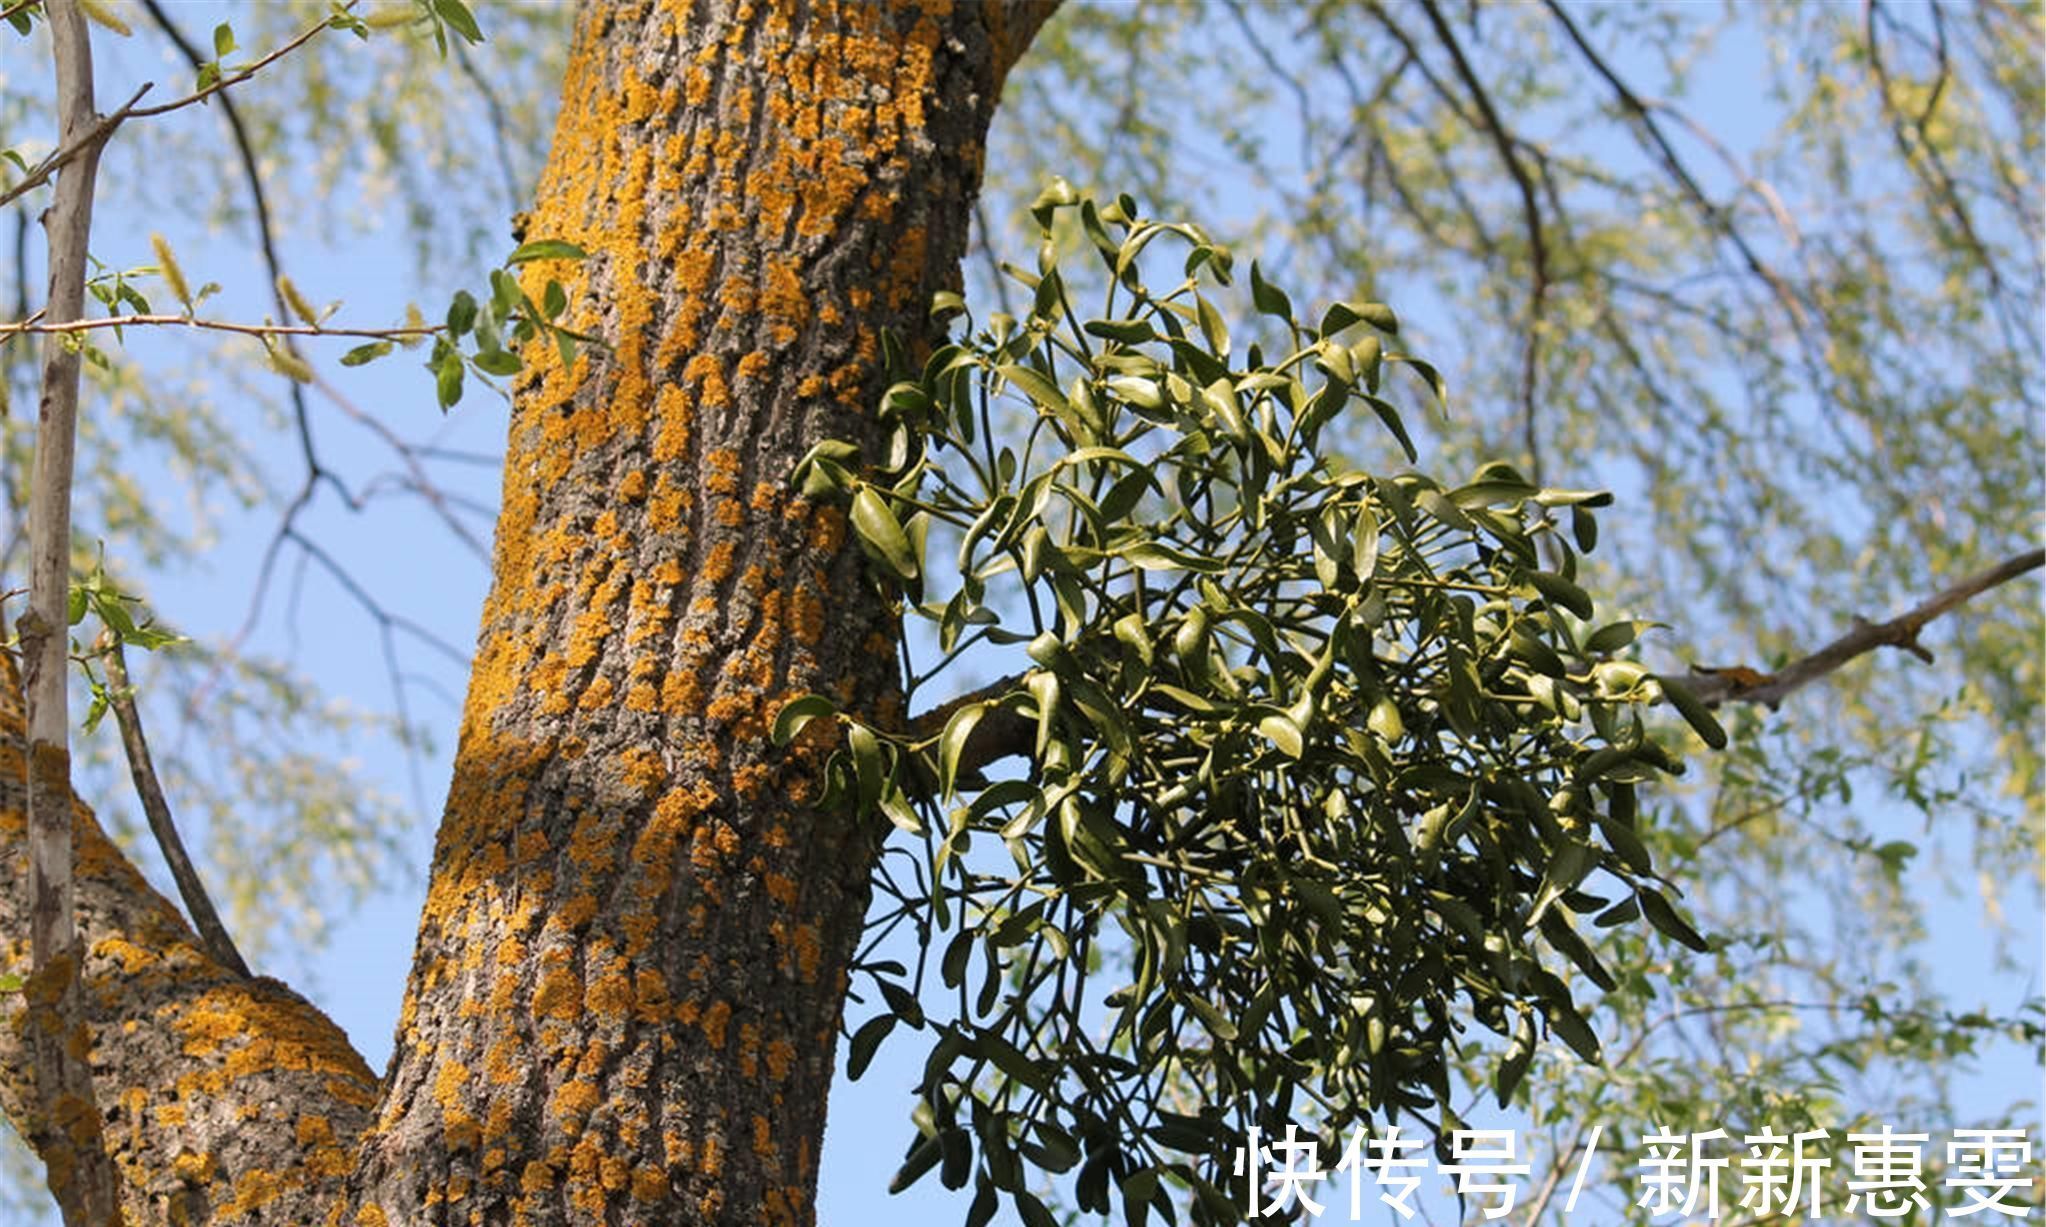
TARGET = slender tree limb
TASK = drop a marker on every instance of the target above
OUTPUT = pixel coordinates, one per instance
(71, 147)
(65, 1128)
(73, 324)
(244, 74)
(1531, 217)
(1745, 685)
(156, 808)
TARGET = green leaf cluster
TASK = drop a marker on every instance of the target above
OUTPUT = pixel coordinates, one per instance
(1318, 765)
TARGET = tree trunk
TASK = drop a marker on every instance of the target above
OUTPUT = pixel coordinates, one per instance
(624, 1003)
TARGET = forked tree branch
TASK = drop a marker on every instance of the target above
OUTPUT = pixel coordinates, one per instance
(1745, 685)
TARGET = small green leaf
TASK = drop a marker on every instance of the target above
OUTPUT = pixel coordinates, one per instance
(1267, 297)
(878, 528)
(456, 14)
(1561, 592)
(545, 249)
(1283, 733)
(499, 362)
(952, 743)
(366, 353)
(1213, 326)
(1036, 386)
(1694, 712)
(1663, 915)
(865, 1042)
(1570, 1027)
(223, 40)
(796, 713)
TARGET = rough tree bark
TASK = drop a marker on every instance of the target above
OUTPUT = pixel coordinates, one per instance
(632, 960)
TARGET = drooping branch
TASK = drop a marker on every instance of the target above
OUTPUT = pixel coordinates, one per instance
(1531, 217)
(1746, 685)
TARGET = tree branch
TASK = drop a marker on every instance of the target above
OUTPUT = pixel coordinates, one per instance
(1531, 216)
(65, 1126)
(1740, 684)
(71, 147)
(1002, 733)
(142, 768)
(72, 324)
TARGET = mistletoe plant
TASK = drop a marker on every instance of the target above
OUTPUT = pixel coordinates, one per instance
(1306, 768)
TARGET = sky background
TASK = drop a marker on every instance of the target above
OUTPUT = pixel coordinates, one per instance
(358, 976)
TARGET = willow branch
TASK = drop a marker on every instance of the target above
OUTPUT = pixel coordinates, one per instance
(1531, 216)
(74, 325)
(149, 790)
(1737, 684)
(65, 1128)
(244, 74)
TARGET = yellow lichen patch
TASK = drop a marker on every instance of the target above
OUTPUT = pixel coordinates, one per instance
(721, 471)
(574, 914)
(450, 1083)
(573, 1101)
(749, 1049)
(781, 1056)
(649, 1183)
(642, 697)
(597, 695)
(195, 1168)
(256, 1188)
(502, 1064)
(707, 374)
(530, 846)
(718, 567)
(559, 994)
(133, 957)
(666, 506)
(827, 531)
(461, 1129)
(642, 770)
(806, 610)
(610, 996)
(537, 1177)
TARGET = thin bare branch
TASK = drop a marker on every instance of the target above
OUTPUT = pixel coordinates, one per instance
(156, 808)
(1741, 684)
(1531, 217)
